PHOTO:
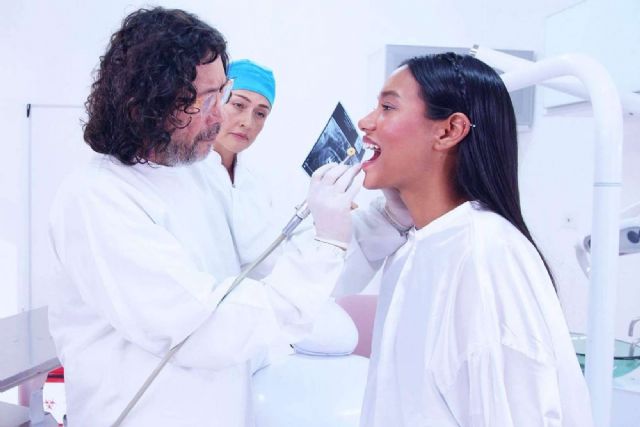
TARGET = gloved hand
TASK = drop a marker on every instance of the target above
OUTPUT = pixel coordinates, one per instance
(331, 192)
(397, 211)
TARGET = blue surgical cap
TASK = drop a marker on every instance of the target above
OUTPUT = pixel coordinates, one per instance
(248, 75)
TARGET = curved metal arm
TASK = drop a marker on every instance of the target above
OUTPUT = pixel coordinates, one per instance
(508, 63)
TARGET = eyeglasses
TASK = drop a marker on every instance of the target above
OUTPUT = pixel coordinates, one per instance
(204, 104)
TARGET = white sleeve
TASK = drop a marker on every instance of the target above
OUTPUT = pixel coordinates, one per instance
(508, 389)
(374, 240)
(137, 275)
(256, 312)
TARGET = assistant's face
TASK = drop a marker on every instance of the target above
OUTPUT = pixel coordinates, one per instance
(194, 142)
(245, 115)
(399, 133)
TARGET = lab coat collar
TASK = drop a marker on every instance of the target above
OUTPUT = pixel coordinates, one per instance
(214, 157)
(242, 174)
(104, 160)
(456, 215)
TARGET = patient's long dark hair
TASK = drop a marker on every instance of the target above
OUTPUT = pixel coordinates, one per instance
(487, 158)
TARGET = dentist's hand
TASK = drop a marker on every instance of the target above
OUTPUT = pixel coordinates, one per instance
(399, 215)
(330, 196)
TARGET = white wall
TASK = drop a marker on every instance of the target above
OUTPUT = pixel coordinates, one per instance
(319, 52)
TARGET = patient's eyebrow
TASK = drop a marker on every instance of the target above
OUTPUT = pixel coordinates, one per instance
(389, 93)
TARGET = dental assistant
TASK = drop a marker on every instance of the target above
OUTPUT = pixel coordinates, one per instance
(251, 102)
(468, 330)
(146, 249)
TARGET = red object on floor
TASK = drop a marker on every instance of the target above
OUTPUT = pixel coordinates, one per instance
(56, 376)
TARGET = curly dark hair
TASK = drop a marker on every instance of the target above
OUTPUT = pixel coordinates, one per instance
(144, 78)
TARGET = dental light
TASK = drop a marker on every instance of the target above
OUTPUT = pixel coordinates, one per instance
(604, 241)
(629, 235)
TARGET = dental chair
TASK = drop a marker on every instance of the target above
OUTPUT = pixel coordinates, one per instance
(321, 383)
(362, 310)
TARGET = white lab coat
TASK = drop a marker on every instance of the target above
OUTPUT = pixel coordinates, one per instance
(468, 330)
(145, 253)
(253, 226)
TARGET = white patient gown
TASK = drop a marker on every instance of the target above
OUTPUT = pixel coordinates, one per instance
(145, 253)
(469, 332)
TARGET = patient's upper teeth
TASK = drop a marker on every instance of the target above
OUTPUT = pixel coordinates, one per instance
(371, 146)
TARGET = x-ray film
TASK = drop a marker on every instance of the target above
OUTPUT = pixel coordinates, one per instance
(336, 138)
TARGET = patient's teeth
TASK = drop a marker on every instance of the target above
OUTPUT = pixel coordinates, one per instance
(371, 146)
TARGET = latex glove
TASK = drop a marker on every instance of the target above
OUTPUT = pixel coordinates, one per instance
(396, 210)
(331, 193)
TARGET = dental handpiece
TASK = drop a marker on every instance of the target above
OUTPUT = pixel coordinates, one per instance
(302, 210)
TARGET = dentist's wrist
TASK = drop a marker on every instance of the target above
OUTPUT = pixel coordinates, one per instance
(382, 206)
(392, 218)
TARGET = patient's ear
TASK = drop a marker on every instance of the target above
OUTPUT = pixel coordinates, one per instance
(453, 130)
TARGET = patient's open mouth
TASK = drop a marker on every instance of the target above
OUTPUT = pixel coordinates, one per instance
(373, 147)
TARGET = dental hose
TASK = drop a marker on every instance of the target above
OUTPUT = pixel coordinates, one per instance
(302, 211)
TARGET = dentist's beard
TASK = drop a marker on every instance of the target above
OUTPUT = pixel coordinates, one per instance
(180, 153)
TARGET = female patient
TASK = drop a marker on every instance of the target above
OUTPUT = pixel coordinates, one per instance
(469, 331)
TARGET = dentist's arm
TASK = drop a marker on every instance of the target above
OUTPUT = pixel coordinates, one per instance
(379, 231)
